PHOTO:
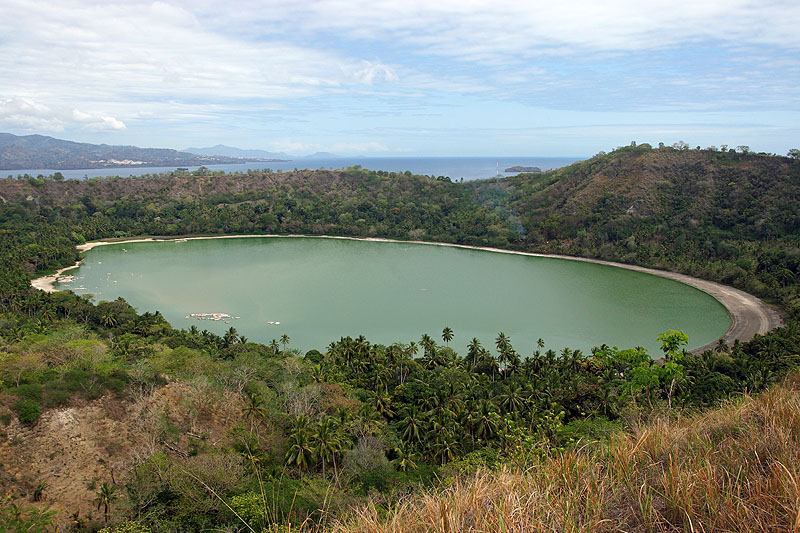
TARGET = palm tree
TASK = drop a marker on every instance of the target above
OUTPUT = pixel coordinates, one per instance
(413, 348)
(383, 404)
(492, 362)
(404, 359)
(507, 355)
(455, 398)
(447, 335)
(254, 409)
(487, 421)
(474, 350)
(439, 404)
(512, 400)
(285, 340)
(427, 344)
(317, 374)
(328, 443)
(501, 341)
(300, 453)
(105, 497)
(230, 337)
(722, 346)
(444, 446)
(273, 345)
(405, 458)
(411, 424)
(109, 319)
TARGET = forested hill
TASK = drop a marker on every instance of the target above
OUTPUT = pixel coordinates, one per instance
(727, 216)
(40, 151)
(41, 220)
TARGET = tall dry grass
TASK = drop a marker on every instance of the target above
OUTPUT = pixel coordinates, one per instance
(736, 468)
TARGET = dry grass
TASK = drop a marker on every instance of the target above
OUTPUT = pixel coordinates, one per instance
(736, 468)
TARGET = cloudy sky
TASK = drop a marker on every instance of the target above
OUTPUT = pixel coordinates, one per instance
(404, 77)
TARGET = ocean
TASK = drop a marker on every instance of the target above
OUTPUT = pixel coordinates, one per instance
(456, 168)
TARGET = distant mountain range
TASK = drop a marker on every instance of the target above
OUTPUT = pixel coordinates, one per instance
(42, 152)
(231, 151)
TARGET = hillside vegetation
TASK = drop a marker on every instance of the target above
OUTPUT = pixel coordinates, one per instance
(724, 216)
(735, 468)
(109, 416)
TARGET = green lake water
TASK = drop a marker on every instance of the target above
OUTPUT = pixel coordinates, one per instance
(323, 289)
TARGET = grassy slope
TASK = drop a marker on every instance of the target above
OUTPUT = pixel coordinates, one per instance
(735, 468)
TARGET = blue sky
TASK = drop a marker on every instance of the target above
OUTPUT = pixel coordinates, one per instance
(404, 78)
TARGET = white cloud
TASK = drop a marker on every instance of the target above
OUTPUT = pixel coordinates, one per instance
(153, 50)
(26, 114)
(369, 73)
(308, 70)
(486, 29)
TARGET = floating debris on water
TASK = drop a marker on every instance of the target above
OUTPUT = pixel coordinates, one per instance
(209, 316)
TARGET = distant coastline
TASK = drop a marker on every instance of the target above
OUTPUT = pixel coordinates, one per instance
(749, 315)
(456, 168)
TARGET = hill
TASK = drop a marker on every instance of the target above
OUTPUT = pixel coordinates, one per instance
(320, 155)
(42, 152)
(230, 151)
(725, 216)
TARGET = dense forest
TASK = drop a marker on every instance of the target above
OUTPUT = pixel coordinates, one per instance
(111, 418)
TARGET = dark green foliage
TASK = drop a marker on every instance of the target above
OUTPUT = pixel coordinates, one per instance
(28, 411)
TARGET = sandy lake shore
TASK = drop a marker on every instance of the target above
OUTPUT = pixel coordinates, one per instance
(749, 315)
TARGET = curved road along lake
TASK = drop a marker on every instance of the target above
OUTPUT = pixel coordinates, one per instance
(322, 289)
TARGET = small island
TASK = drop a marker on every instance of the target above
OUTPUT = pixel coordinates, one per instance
(523, 169)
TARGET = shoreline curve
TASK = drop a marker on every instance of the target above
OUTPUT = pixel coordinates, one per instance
(749, 315)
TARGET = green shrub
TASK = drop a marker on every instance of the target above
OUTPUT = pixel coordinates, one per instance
(115, 384)
(251, 509)
(75, 379)
(30, 391)
(127, 527)
(56, 397)
(27, 410)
